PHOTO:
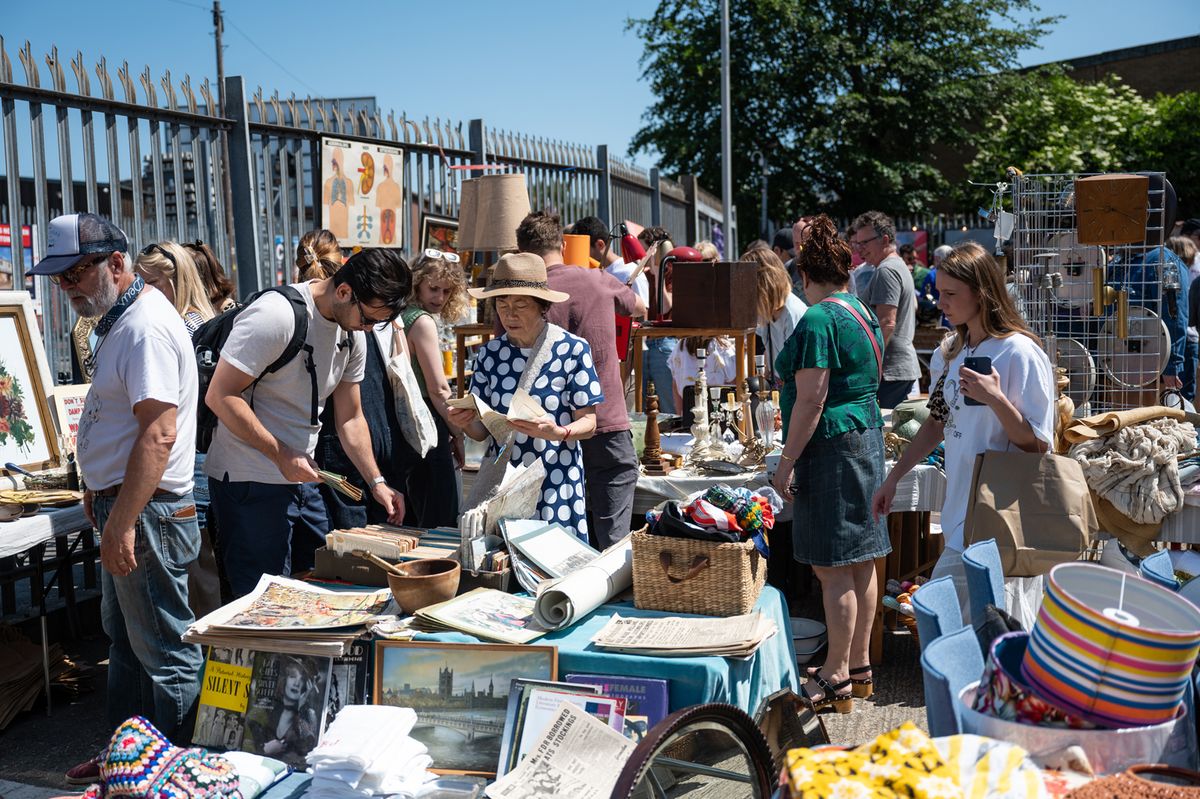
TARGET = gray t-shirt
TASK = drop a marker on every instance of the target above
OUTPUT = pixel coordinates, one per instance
(282, 400)
(892, 284)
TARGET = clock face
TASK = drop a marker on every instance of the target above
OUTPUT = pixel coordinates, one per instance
(1112, 209)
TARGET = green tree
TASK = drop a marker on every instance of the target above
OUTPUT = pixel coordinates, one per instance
(850, 100)
(1172, 145)
(1061, 125)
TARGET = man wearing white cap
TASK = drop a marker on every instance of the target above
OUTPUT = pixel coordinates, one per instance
(135, 449)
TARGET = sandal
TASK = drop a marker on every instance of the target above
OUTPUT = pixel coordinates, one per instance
(831, 695)
(861, 685)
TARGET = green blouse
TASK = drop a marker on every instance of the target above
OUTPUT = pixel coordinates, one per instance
(828, 337)
(409, 316)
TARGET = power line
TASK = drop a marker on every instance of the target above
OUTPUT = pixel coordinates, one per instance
(271, 58)
(189, 5)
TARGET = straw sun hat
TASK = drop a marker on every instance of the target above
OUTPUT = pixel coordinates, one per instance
(520, 273)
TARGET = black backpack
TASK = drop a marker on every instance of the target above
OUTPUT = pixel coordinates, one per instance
(210, 337)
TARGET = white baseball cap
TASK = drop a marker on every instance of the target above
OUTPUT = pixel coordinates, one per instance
(72, 236)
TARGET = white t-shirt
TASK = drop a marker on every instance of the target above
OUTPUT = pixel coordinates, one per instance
(146, 356)
(282, 401)
(776, 333)
(1027, 379)
(720, 367)
(621, 271)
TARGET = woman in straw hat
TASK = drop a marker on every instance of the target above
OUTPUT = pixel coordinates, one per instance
(556, 369)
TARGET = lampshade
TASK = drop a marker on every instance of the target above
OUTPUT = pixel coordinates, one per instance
(502, 202)
(576, 249)
(468, 205)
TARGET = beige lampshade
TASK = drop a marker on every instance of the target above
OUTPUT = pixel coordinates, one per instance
(468, 205)
(502, 202)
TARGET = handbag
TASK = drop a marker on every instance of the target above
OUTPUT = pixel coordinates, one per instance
(1037, 506)
(416, 422)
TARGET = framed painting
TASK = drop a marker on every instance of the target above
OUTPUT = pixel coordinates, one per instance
(460, 695)
(27, 433)
(439, 233)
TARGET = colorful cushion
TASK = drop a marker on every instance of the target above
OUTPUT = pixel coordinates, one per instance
(140, 762)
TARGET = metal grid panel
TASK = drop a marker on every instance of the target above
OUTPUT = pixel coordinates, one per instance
(1099, 310)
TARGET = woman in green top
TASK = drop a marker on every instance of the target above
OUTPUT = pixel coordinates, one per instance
(832, 460)
(439, 289)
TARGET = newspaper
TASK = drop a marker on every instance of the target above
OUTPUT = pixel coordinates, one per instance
(680, 636)
(576, 755)
(563, 602)
(282, 604)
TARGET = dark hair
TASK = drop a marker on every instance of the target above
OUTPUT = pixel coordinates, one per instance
(540, 233)
(825, 257)
(592, 227)
(219, 287)
(653, 235)
(783, 239)
(378, 275)
(906, 249)
(880, 222)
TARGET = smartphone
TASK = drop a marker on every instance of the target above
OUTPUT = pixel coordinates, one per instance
(981, 364)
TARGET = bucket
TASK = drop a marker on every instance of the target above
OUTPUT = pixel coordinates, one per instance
(1109, 751)
(808, 638)
(1111, 648)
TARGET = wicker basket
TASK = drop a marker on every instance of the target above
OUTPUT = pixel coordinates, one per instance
(681, 575)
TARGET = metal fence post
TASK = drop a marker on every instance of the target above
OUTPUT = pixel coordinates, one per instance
(245, 198)
(655, 198)
(477, 142)
(604, 183)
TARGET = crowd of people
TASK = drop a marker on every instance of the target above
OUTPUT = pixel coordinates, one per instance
(304, 383)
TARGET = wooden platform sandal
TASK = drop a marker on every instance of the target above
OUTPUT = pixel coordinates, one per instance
(831, 695)
(861, 685)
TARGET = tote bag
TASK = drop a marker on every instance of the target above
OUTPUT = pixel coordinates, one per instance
(416, 422)
(1037, 507)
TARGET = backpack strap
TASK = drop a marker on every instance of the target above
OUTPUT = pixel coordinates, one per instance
(866, 329)
(294, 346)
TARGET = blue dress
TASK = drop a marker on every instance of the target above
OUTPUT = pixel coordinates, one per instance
(567, 383)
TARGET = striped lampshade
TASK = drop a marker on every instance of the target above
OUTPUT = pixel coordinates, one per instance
(1110, 647)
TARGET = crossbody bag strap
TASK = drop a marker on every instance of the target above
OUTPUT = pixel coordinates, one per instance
(866, 329)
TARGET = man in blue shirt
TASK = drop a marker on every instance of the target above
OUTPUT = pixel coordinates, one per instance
(1143, 282)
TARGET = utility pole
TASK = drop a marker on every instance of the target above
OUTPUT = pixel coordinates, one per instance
(726, 136)
(226, 186)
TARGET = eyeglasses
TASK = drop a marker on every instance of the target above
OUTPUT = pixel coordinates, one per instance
(150, 249)
(75, 274)
(864, 242)
(448, 257)
(366, 321)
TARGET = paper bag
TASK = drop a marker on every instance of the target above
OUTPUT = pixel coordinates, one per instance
(1037, 507)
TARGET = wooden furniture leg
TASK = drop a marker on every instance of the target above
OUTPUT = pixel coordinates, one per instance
(637, 375)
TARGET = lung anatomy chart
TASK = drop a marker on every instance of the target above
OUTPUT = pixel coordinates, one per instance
(361, 196)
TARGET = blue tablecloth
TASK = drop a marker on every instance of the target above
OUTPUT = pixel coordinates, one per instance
(695, 680)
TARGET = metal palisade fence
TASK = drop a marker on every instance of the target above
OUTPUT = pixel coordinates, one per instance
(155, 162)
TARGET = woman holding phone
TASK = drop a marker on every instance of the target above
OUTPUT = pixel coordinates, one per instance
(993, 390)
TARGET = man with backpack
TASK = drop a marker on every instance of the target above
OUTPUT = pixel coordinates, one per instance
(287, 352)
(135, 452)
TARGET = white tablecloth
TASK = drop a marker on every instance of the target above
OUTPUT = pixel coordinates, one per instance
(18, 536)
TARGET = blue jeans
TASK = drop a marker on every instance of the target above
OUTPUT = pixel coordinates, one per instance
(151, 671)
(266, 528)
(654, 364)
(1190, 352)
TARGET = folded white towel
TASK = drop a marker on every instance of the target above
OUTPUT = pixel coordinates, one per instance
(360, 735)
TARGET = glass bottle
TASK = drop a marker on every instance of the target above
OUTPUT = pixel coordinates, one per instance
(764, 417)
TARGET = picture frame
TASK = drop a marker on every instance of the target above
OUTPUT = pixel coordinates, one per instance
(28, 437)
(362, 198)
(439, 233)
(68, 408)
(460, 695)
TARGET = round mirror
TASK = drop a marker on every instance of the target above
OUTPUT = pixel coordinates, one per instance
(703, 751)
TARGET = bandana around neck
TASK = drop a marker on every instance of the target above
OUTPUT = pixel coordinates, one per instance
(123, 302)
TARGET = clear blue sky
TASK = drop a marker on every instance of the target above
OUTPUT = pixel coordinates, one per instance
(562, 69)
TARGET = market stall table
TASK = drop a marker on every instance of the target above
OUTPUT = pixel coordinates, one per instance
(30, 535)
(743, 343)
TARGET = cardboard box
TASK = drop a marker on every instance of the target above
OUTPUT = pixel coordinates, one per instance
(722, 294)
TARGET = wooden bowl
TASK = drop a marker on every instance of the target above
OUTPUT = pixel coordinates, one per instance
(432, 580)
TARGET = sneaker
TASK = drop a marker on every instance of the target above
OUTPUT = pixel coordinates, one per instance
(85, 773)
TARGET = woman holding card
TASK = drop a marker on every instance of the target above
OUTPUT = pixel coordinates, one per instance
(555, 369)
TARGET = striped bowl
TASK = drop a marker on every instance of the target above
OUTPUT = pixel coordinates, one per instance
(1110, 647)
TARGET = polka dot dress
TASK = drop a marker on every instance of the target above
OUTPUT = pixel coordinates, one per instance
(567, 383)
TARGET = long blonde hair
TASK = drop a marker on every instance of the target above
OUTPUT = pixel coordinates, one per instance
(427, 268)
(172, 261)
(774, 285)
(970, 263)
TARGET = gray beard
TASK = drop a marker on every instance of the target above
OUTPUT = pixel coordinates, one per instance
(100, 303)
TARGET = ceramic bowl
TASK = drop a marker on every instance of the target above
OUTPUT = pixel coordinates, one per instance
(9, 511)
(808, 637)
(430, 581)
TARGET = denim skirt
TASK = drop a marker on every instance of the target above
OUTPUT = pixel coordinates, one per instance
(835, 479)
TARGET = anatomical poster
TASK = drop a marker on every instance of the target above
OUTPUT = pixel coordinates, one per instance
(360, 192)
